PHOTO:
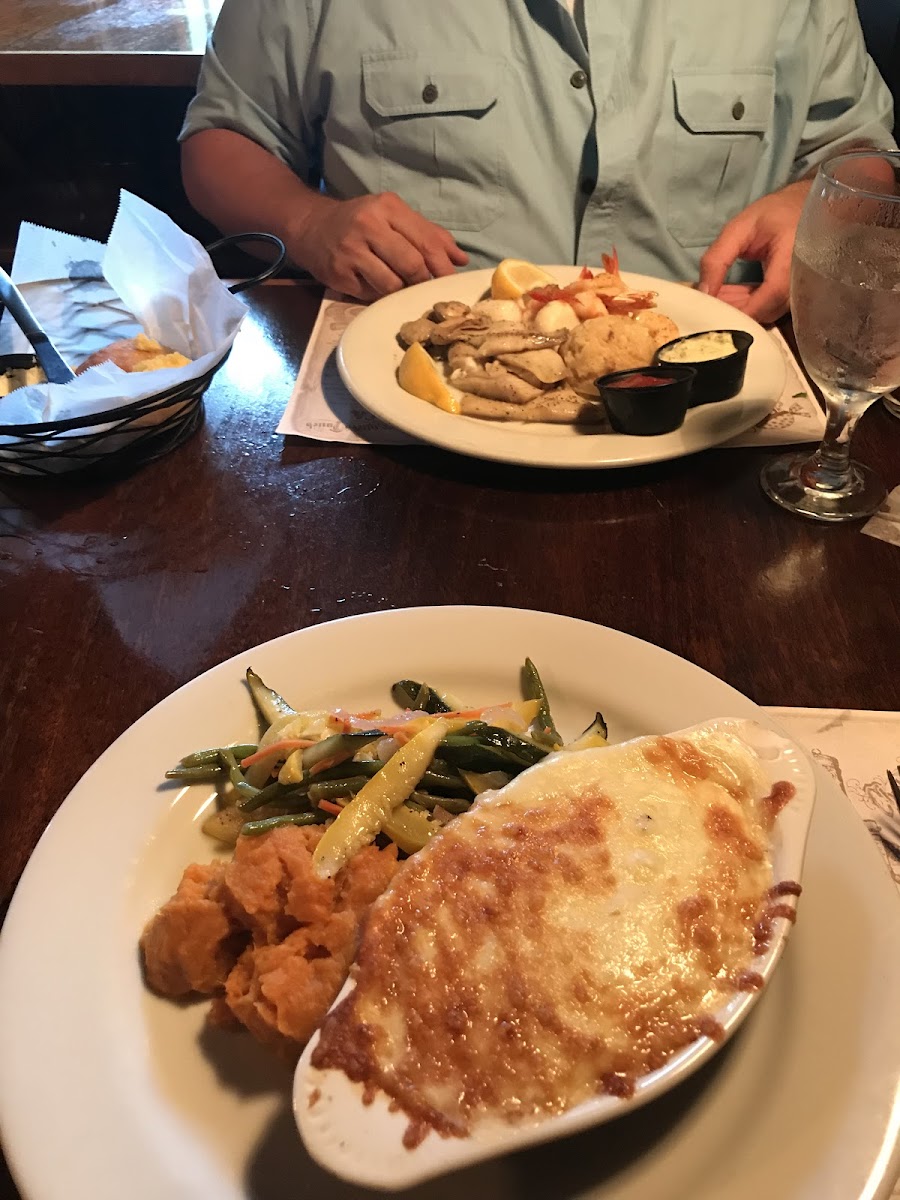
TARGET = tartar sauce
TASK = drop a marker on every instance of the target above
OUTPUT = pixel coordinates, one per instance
(700, 348)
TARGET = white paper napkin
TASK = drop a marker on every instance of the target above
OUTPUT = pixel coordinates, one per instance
(320, 406)
(152, 276)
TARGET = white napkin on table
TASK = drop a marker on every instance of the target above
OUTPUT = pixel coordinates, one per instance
(151, 275)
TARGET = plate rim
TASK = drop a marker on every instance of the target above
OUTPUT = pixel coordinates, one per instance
(26, 1173)
(492, 447)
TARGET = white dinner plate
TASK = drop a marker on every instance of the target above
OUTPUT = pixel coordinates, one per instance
(369, 355)
(106, 1091)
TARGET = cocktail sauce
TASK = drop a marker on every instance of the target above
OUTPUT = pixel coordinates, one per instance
(638, 380)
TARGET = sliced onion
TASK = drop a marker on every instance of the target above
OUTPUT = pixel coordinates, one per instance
(506, 717)
(386, 747)
(363, 724)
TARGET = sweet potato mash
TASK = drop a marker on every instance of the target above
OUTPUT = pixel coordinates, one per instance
(265, 936)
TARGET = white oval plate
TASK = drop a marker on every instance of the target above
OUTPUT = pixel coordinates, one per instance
(369, 355)
(106, 1091)
(363, 1142)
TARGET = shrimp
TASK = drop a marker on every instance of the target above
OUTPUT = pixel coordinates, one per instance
(609, 281)
(630, 302)
(590, 295)
(588, 305)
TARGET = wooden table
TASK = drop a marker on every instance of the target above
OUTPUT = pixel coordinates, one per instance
(131, 42)
(112, 595)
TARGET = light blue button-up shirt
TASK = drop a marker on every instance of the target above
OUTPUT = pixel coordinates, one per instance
(530, 131)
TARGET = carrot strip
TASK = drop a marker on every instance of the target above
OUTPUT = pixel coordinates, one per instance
(400, 729)
(327, 763)
(330, 807)
(276, 748)
(346, 719)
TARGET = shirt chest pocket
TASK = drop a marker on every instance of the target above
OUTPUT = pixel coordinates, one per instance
(720, 123)
(437, 130)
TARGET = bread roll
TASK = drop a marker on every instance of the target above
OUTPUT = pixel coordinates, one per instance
(139, 353)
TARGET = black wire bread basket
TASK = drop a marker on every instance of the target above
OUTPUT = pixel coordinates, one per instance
(122, 437)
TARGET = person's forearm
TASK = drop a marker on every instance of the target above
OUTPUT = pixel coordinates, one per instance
(846, 147)
(239, 186)
(365, 247)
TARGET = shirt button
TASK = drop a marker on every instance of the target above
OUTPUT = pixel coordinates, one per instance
(587, 186)
(738, 110)
(429, 93)
(578, 79)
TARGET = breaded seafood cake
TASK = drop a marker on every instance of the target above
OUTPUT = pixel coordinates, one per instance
(605, 344)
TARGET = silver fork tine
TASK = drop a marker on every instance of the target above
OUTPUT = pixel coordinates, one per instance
(895, 786)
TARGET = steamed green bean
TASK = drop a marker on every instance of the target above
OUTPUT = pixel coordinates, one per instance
(408, 693)
(476, 755)
(313, 817)
(333, 789)
(204, 774)
(238, 782)
(533, 689)
(200, 758)
(272, 793)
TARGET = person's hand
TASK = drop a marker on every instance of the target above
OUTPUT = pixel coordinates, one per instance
(374, 245)
(764, 232)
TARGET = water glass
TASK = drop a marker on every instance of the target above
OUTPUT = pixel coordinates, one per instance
(845, 304)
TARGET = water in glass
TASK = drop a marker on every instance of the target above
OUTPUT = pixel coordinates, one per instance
(845, 304)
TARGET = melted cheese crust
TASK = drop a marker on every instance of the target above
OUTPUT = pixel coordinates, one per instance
(568, 934)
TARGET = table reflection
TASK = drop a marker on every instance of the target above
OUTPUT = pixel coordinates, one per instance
(88, 42)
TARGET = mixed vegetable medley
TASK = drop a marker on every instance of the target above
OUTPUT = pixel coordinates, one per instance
(403, 775)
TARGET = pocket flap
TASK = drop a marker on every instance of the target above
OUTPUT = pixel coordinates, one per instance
(404, 86)
(725, 102)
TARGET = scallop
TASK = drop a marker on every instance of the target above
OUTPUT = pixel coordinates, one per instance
(499, 310)
(555, 316)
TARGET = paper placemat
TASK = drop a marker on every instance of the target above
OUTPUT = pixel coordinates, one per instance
(856, 748)
(321, 408)
(797, 415)
(885, 525)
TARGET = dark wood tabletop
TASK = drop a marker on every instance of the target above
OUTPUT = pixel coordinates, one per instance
(113, 594)
(135, 42)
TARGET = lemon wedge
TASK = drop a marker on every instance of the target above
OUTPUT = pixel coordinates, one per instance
(514, 277)
(419, 375)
